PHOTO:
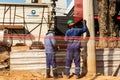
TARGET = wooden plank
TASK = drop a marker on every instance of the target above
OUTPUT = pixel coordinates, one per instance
(12, 26)
(19, 36)
(23, 4)
(20, 48)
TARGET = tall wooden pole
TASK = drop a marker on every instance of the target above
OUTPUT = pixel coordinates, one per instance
(88, 15)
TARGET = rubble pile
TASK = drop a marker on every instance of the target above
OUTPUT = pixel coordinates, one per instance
(4, 55)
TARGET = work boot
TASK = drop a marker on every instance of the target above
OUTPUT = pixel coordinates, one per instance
(55, 74)
(48, 73)
(78, 76)
(67, 76)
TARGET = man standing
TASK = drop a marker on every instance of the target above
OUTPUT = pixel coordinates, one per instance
(50, 45)
(73, 47)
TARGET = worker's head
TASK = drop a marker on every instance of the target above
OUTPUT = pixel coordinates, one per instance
(70, 23)
(51, 30)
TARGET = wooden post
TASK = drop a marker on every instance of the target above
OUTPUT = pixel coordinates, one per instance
(88, 15)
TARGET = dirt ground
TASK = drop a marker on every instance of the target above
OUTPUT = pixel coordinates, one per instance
(28, 75)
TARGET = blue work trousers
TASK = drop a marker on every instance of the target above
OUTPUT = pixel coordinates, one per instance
(73, 54)
(50, 60)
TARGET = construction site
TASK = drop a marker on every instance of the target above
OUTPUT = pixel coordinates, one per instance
(23, 27)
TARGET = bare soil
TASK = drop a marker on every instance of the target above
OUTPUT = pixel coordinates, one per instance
(30, 75)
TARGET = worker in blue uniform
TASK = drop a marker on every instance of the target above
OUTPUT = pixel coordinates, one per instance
(72, 36)
(50, 49)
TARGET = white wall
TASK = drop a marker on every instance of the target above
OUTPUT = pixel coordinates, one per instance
(70, 7)
(29, 18)
(61, 7)
(28, 1)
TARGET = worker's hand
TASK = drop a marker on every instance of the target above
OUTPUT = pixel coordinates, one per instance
(84, 21)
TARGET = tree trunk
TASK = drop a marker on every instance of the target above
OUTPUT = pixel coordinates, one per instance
(107, 14)
(118, 29)
(102, 19)
(112, 40)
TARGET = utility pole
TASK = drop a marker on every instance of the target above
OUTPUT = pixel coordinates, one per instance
(88, 15)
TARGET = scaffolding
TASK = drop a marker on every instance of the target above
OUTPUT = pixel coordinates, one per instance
(12, 15)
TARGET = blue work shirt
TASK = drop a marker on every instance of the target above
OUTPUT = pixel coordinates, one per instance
(72, 36)
(50, 43)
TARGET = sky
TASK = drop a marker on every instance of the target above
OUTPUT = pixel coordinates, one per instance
(68, 2)
(20, 1)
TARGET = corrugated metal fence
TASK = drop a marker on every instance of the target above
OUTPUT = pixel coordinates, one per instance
(35, 60)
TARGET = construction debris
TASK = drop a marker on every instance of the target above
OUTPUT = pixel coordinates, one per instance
(4, 56)
(4, 59)
(5, 48)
